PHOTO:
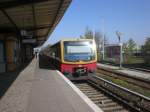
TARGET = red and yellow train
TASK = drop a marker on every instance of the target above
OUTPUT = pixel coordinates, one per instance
(74, 58)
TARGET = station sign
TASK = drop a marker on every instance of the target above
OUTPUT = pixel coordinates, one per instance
(29, 41)
(26, 34)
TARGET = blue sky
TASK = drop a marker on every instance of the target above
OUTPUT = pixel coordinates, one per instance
(132, 17)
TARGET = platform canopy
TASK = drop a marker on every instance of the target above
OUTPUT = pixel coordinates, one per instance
(31, 18)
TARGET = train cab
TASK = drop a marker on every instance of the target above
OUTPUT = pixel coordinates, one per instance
(74, 58)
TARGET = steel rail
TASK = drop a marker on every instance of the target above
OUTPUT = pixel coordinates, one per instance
(139, 69)
(134, 99)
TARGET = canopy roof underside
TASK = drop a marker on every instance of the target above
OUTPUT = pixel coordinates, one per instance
(37, 17)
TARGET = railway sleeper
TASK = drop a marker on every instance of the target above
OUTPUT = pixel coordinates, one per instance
(95, 96)
(82, 85)
(107, 104)
(89, 94)
(103, 98)
(86, 88)
(108, 101)
(113, 109)
(89, 91)
(124, 110)
(105, 101)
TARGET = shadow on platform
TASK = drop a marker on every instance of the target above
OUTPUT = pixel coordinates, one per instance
(6, 79)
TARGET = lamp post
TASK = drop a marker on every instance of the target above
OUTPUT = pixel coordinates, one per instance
(120, 44)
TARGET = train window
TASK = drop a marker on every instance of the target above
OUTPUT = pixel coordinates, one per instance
(78, 49)
(74, 51)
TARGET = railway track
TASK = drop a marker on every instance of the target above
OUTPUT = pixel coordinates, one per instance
(140, 69)
(134, 80)
(106, 103)
(111, 97)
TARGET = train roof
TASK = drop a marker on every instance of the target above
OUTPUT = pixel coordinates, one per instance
(78, 39)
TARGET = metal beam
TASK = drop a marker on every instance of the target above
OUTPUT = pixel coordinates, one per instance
(59, 7)
(10, 19)
(7, 30)
(41, 36)
(34, 18)
(11, 29)
(15, 3)
(37, 28)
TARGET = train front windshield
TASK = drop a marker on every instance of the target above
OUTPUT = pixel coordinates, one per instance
(79, 51)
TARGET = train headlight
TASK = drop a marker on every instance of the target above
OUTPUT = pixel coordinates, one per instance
(79, 65)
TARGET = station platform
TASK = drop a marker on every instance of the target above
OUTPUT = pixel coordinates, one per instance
(132, 73)
(43, 90)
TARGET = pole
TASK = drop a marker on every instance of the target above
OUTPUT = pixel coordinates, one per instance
(103, 40)
(120, 44)
(121, 55)
(103, 47)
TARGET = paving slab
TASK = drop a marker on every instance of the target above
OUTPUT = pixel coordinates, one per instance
(16, 97)
(51, 93)
(43, 90)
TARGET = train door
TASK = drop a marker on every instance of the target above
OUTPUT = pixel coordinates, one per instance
(2, 59)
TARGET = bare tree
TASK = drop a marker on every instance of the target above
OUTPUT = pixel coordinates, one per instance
(129, 47)
(88, 34)
(98, 39)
